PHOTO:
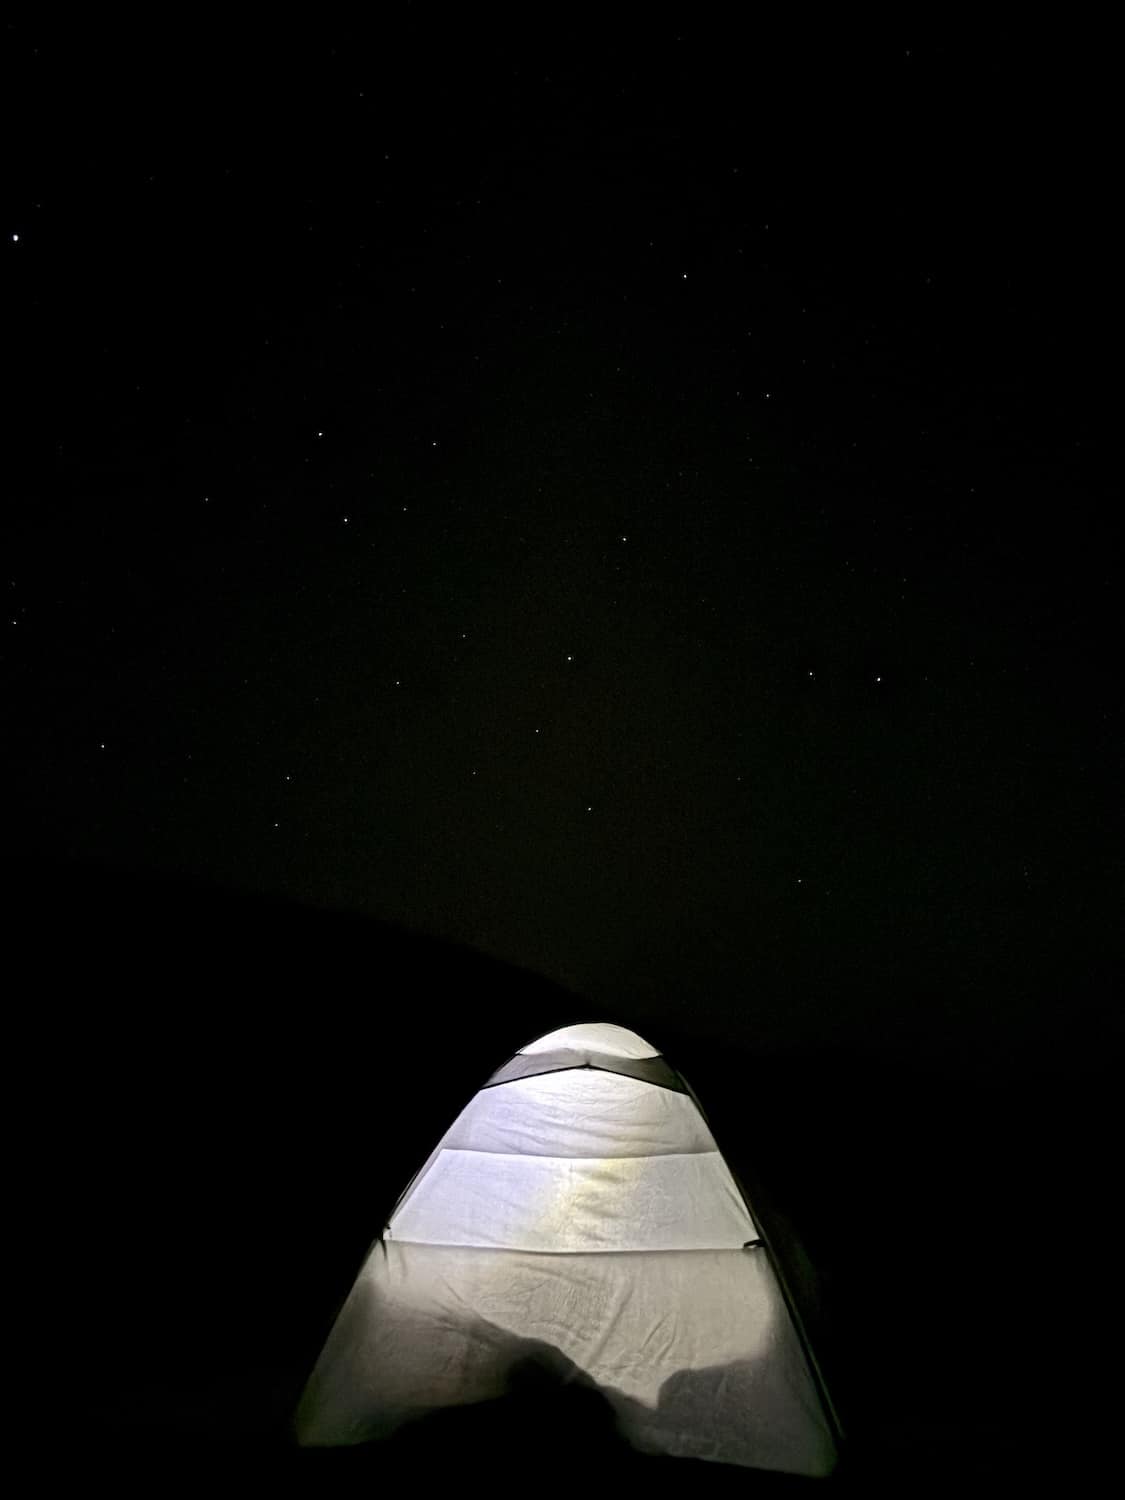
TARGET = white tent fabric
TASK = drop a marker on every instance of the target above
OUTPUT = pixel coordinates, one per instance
(589, 1212)
(554, 1203)
(598, 1036)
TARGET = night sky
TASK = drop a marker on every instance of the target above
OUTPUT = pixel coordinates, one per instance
(635, 505)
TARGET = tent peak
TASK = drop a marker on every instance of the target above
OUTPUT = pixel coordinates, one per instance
(594, 1036)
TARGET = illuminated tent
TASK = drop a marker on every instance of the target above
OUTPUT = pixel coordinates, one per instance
(579, 1205)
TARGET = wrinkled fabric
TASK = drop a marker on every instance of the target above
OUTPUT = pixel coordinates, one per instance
(584, 1113)
(694, 1351)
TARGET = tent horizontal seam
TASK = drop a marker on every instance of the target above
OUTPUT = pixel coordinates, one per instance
(520, 1250)
(544, 1156)
(620, 1156)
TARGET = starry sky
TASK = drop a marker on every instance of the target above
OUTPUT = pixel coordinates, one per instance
(637, 505)
(506, 523)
